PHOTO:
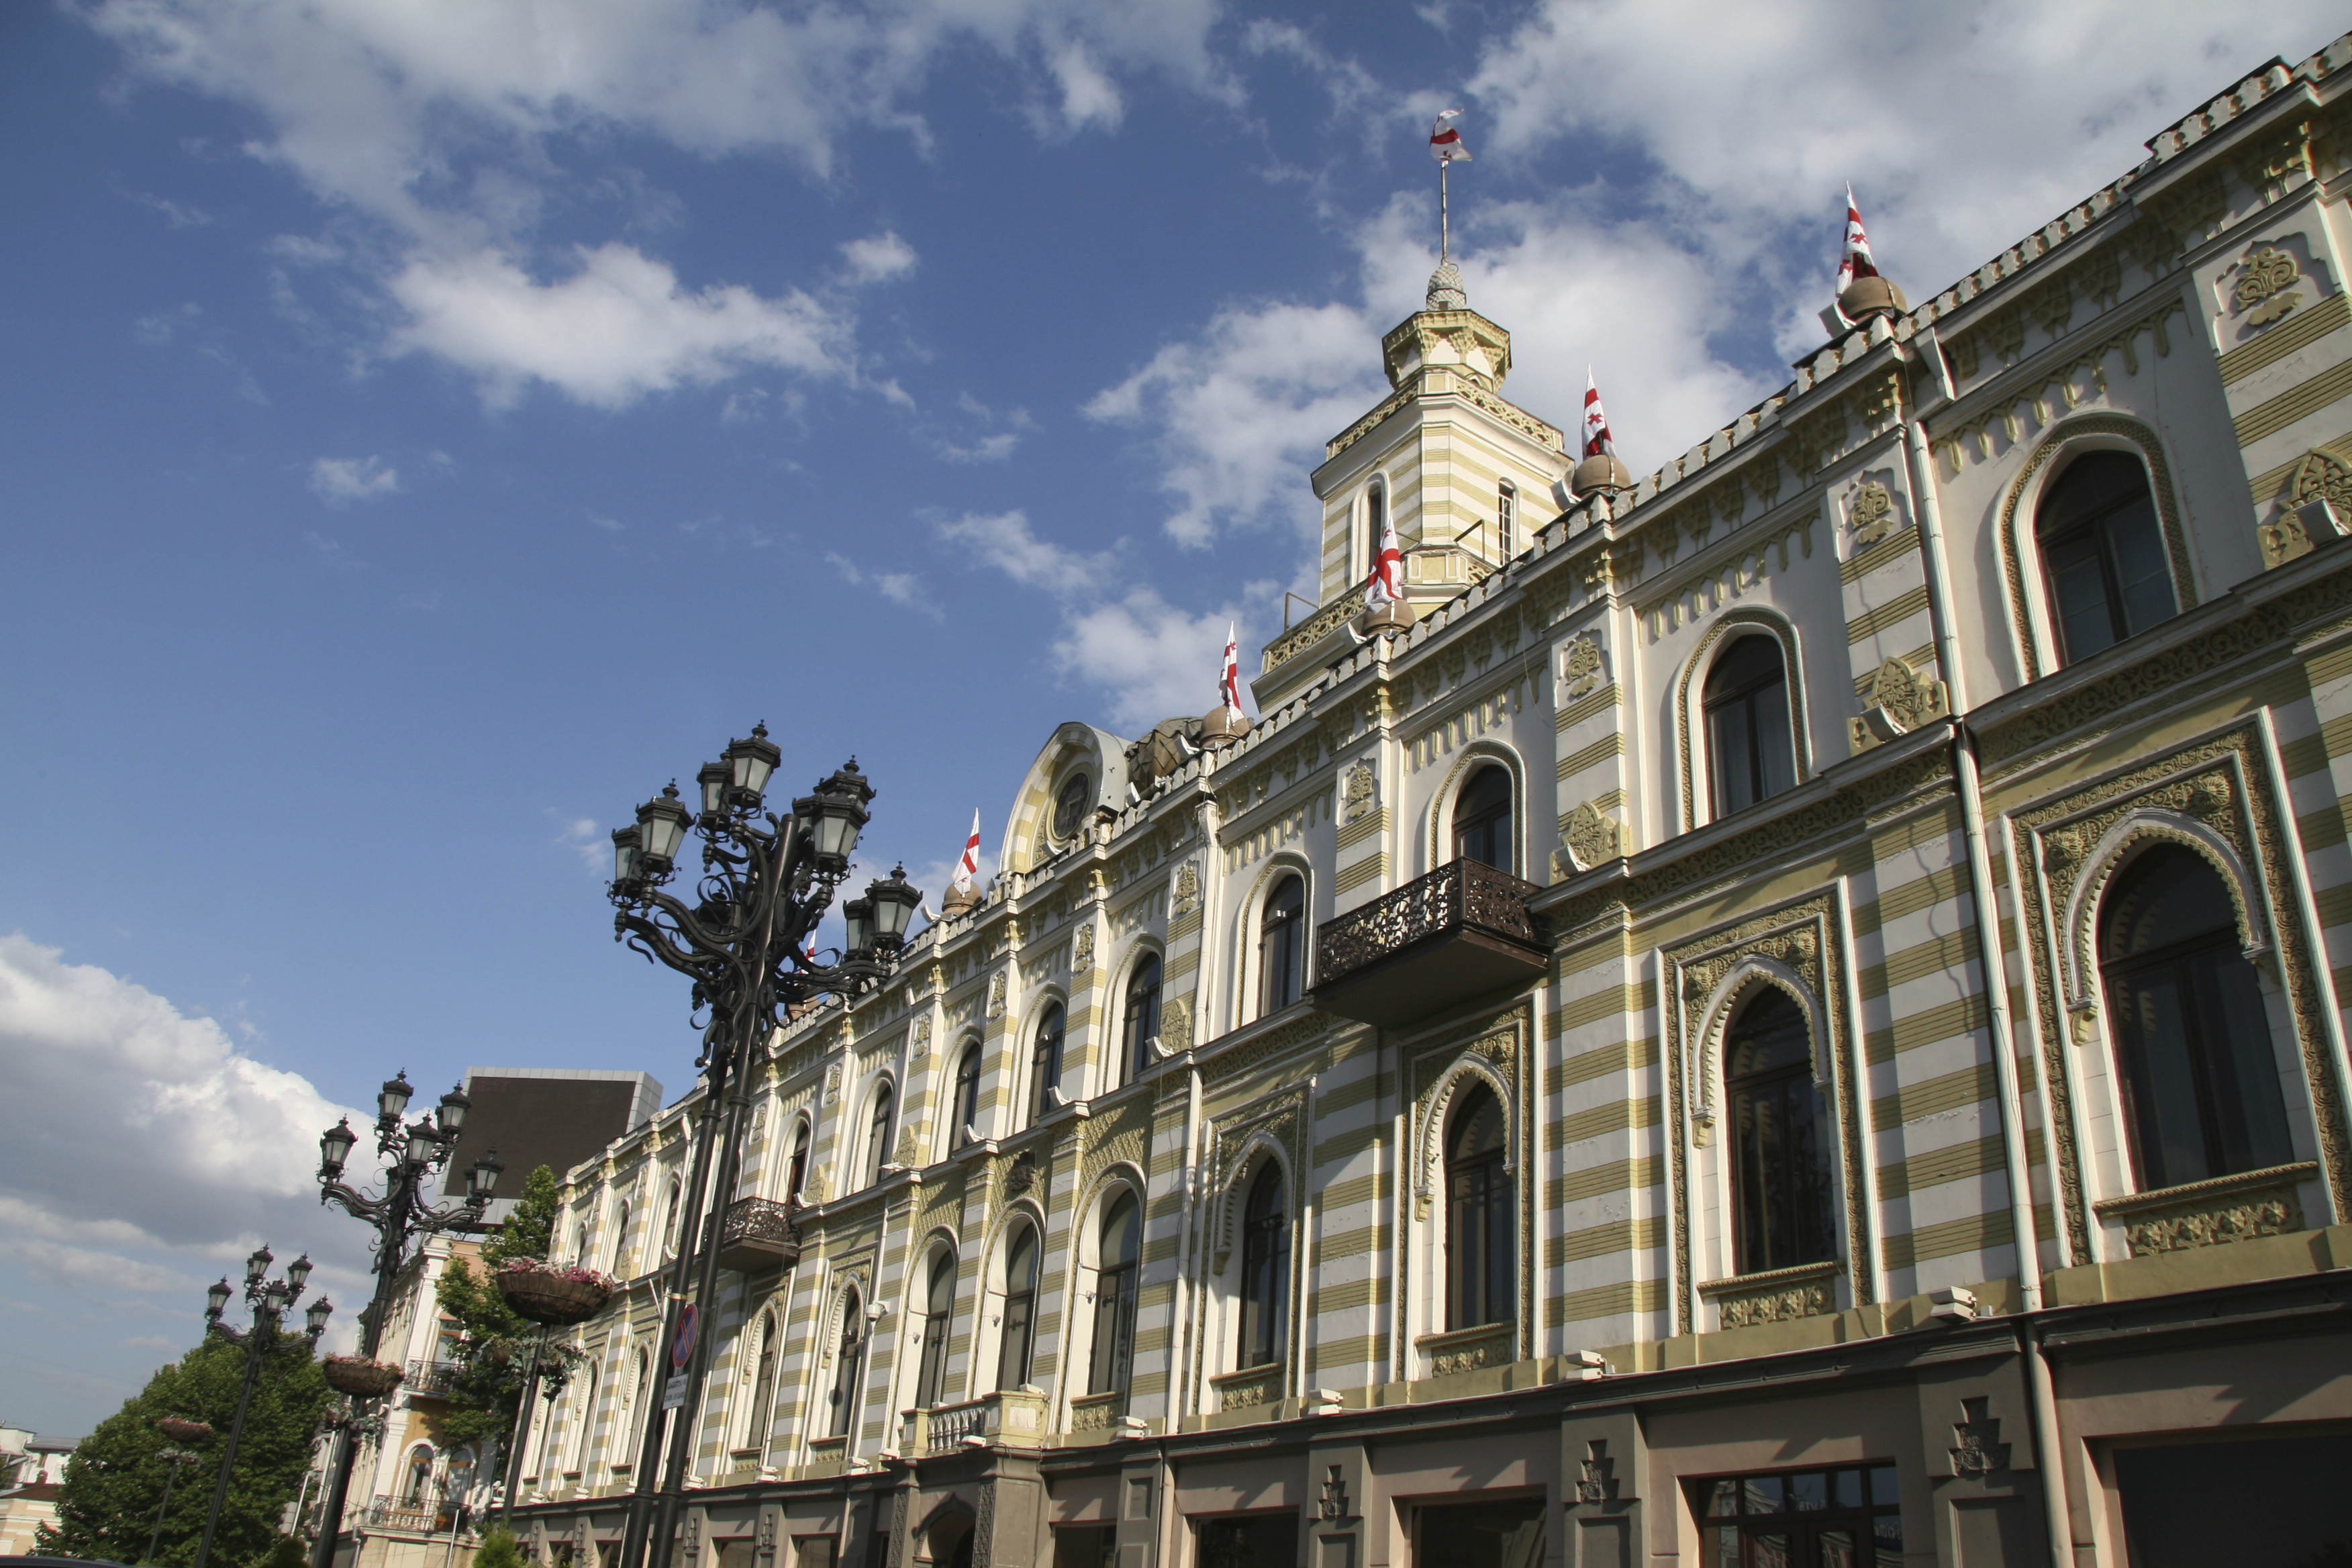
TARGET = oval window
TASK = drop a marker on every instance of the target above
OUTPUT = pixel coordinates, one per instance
(1070, 806)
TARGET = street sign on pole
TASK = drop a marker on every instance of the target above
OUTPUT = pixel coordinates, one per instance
(681, 1348)
(674, 1392)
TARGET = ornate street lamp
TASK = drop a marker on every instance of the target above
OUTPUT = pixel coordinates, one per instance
(413, 1154)
(270, 1299)
(742, 940)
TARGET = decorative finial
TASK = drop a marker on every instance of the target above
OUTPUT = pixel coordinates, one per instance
(1445, 290)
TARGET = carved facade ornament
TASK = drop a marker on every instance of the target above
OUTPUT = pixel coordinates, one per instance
(1582, 667)
(1359, 792)
(2274, 1215)
(996, 994)
(1872, 513)
(1082, 950)
(1596, 1480)
(2314, 504)
(1176, 1027)
(923, 1035)
(1899, 700)
(1977, 1449)
(1811, 1300)
(1333, 1502)
(1022, 1175)
(1592, 836)
(833, 1083)
(1186, 898)
(2265, 288)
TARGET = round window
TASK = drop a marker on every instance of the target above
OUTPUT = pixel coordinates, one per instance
(1070, 805)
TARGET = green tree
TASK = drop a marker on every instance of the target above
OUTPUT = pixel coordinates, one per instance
(496, 1351)
(114, 1481)
(498, 1550)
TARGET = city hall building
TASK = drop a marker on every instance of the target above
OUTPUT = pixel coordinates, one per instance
(1787, 1012)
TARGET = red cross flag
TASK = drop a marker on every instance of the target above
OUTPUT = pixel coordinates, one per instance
(969, 867)
(1857, 262)
(1386, 585)
(1229, 678)
(1597, 438)
(1445, 142)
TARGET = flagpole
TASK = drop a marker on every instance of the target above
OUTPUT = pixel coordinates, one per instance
(1445, 217)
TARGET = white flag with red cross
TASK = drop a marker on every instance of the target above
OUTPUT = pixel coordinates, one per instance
(969, 867)
(1229, 677)
(1857, 261)
(1597, 438)
(1445, 143)
(1386, 585)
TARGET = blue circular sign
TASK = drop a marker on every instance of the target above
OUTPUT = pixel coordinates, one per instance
(681, 1348)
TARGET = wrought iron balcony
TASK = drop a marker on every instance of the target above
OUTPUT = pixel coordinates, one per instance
(1459, 932)
(430, 1379)
(759, 1235)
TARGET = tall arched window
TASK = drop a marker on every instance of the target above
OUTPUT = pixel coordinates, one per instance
(1266, 1269)
(796, 1173)
(848, 1365)
(763, 1386)
(878, 1135)
(964, 1108)
(1045, 1066)
(1142, 1016)
(1747, 735)
(420, 1476)
(1781, 1189)
(1480, 1213)
(1020, 1326)
(1121, 1246)
(1376, 522)
(938, 1316)
(1482, 818)
(587, 1421)
(1282, 945)
(1507, 519)
(2200, 1085)
(669, 1214)
(621, 1242)
(645, 1367)
(2102, 555)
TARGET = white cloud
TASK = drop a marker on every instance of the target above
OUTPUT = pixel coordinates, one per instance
(1154, 659)
(1007, 542)
(879, 257)
(141, 1141)
(898, 587)
(620, 327)
(336, 480)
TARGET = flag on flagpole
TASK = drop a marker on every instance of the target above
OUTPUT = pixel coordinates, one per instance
(1855, 262)
(969, 867)
(1386, 585)
(1597, 438)
(1445, 143)
(1229, 677)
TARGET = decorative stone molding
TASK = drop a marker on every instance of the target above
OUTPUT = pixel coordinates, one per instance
(2211, 1213)
(1359, 792)
(1497, 1053)
(1252, 1387)
(1186, 896)
(1082, 950)
(1732, 623)
(1582, 666)
(1097, 1412)
(2265, 287)
(1900, 699)
(1487, 1057)
(996, 994)
(1592, 836)
(2314, 505)
(922, 1037)
(1776, 1296)
(1466, 1350)
(1872, 513)
(1977, 1449)
(1176, 1027)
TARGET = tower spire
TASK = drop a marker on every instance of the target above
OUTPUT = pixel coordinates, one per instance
(1445, 145)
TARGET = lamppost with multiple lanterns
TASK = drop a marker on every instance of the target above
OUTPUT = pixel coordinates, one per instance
(413, 1153)
(270, 1299)
(743, 941)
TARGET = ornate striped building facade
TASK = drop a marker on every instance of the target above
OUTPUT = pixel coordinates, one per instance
(1792, 1010)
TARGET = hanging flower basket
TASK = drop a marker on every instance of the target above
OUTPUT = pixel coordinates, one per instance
(546, 1294)
(360, 1377)
(182, 1430)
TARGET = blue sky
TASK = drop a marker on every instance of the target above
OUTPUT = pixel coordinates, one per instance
(431, 426)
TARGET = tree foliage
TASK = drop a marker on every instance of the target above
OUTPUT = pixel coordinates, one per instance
(114, 1481)
(498, 1550)
(496, 1350)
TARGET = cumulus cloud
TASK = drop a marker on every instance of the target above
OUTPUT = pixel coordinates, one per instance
(1153, 658)
(144, 1149)
(1006, 541)
(620, 327)
(337, 479)
(898, 587)
(879, 257)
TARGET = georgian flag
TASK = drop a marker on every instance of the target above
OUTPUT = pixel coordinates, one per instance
(1857, 262)
(1445, 142)
(969, 867)
(1229, 678)
(1386, 586)
(1597, 438)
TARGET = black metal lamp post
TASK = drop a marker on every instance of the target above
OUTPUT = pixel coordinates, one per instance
(766, 881)
(174, 1457)
(269, 1298)
(413, 1154)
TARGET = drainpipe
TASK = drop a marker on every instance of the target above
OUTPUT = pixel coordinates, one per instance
(1180, 1301)
(2041, 1392)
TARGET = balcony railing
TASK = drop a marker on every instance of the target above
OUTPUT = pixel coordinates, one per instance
(1011, 1418)
(387, 1513)
(759, 1235)
(432, 1379)
(1461, 931)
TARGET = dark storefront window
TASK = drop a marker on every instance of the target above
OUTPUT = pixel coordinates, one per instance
(1843, 1518)
(1480, 1534)
(1255, 1540)
(2177, 1502)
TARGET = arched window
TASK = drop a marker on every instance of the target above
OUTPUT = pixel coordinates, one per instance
(796, 1173)
(878, 1135)
(1747, 735)
(1480, 1215)
(1121, 1246)
(587, 1421)
(1506, 517)
(2200, 1086)
(1266, 1269)
(1070, 806)
(644, 1370)
(1781, 1206)
(848, 1365)
(1376, 522)
(1282, 946)
(1142, 1016)
(669, 1214)
(621, 1242)
(1045, 1066)
(1020, 1326)
(1482, 818)
(763, 1386)
(964, 1108)
(2102, 555)
(420, 1476)
(938, 1316)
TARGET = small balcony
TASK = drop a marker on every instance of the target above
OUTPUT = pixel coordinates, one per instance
(1010, 1418)
(758, 1235)
(1459, 932)
(430, 1379)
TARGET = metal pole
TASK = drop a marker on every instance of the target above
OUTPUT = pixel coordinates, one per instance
(690, 1224)
(176, 1460)
(1445, 215)
(390, 1248)
(263, 1324)
(522, 1429)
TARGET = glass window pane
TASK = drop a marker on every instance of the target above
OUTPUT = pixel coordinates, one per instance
(1770, 1549)
(1883, 1485)
(2138, 548)
(1849, 1489)
(1728, 739)
(1719, 1548)
(1834, 1549)
(2242, 1073)
(1776, 763)
(1810, 1491)
(1722, 1498)
(1887, 1530)
(1766, 1494)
